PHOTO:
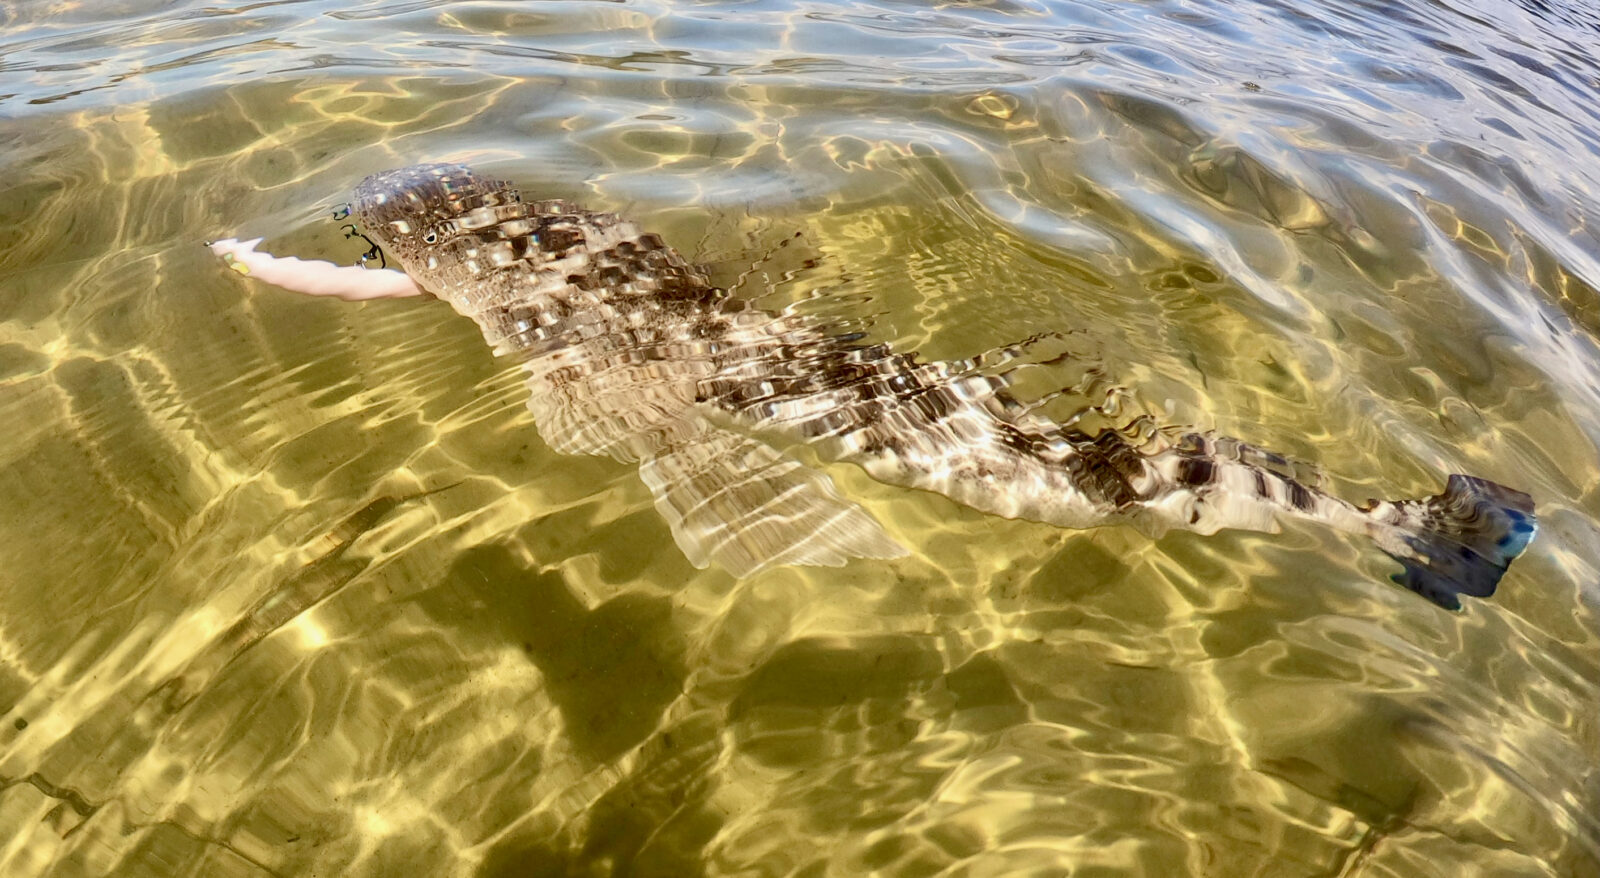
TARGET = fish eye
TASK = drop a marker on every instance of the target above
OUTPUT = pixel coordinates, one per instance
(430, 237)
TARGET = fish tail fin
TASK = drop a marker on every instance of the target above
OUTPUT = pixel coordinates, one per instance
(1458, 542)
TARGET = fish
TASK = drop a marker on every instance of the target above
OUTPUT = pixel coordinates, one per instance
(631, 352)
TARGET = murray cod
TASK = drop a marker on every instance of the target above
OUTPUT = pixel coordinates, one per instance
(630, 351)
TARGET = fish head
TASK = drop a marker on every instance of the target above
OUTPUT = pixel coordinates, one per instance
(420, 215)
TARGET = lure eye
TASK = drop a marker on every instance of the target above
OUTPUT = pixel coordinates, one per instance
(430, 237)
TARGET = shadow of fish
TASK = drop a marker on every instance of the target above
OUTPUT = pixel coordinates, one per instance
(631, 352)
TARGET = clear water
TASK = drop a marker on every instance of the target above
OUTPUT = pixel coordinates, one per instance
(291, 587)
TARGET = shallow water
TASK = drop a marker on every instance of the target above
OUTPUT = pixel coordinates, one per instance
(292, 587)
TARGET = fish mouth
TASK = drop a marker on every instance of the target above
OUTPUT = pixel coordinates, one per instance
(372, 257)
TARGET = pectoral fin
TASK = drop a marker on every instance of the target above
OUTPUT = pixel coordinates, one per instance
(740, 504)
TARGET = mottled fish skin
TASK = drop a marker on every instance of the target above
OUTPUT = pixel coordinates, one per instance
(631, 352)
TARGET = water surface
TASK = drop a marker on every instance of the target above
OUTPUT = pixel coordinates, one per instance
(292, 587)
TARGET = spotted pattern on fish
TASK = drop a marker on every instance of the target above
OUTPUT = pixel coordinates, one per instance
(631, 351)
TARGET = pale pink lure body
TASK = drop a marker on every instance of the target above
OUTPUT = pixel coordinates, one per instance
(314, 277)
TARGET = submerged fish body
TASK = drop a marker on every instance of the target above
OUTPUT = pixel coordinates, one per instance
(631, 352)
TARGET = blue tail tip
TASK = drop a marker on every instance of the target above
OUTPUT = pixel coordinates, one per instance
(1467, 538)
